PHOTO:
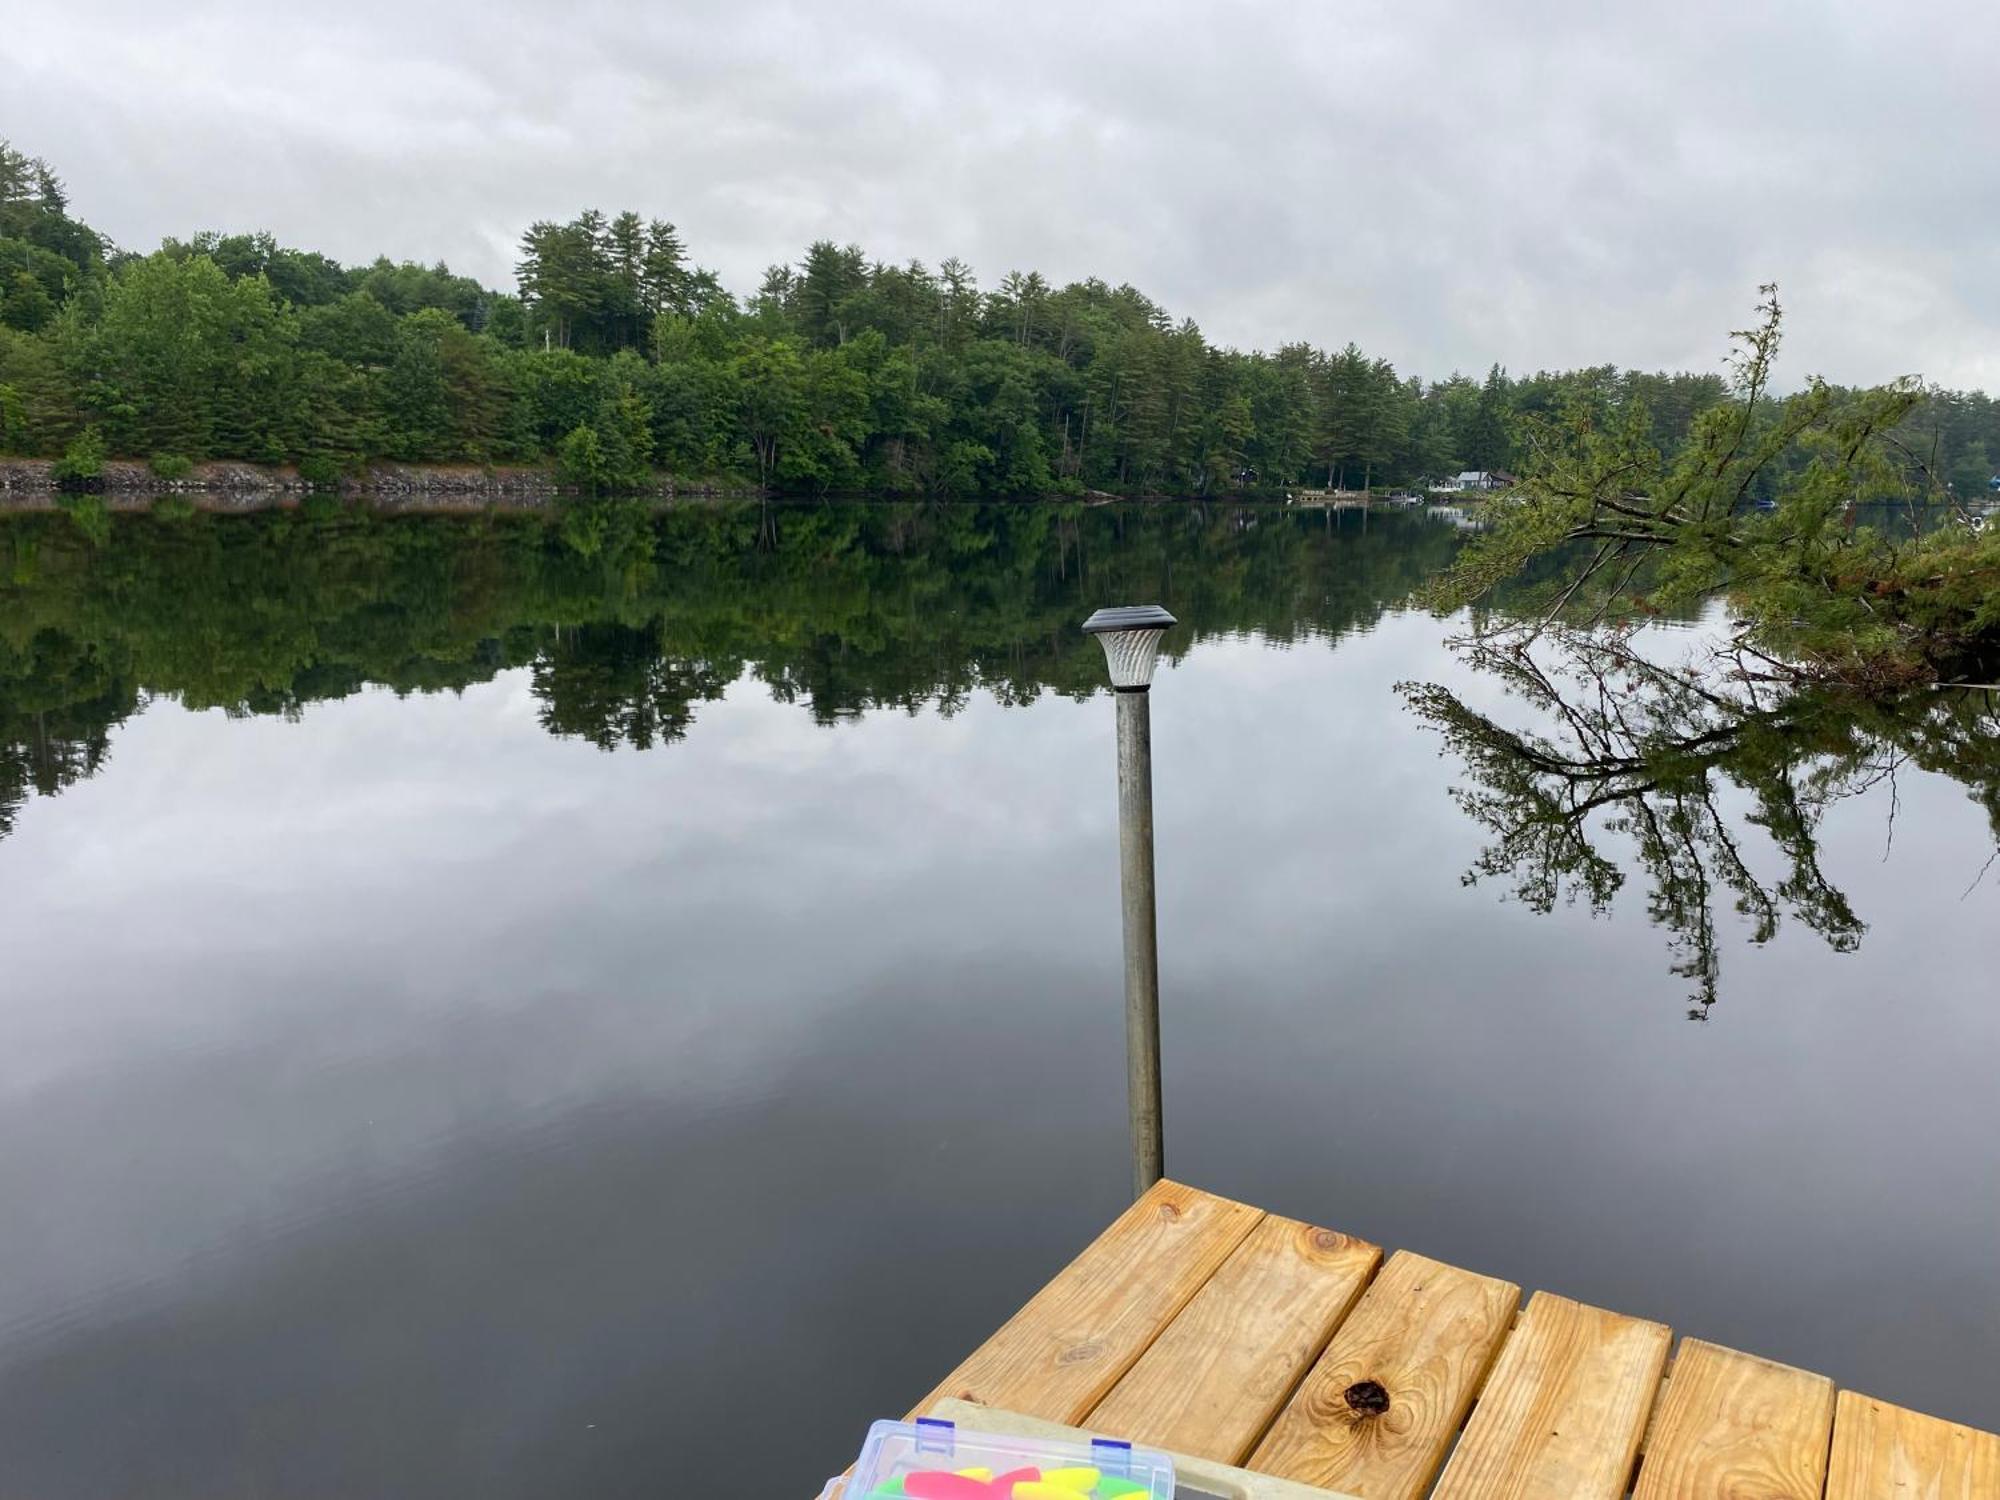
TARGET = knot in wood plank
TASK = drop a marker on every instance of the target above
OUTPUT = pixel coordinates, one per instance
(1367, 1398)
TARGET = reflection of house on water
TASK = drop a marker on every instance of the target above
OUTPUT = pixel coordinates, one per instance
(1460, 516)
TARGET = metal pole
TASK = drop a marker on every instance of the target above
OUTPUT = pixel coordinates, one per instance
(1142, 954)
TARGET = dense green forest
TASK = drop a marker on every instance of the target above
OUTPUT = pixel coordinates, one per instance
(619, 358)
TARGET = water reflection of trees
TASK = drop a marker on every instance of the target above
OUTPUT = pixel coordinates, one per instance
(57, 712)
(630, 620)
(1671, 765)
(615, 685)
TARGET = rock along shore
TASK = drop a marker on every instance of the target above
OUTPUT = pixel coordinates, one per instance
(225, 485)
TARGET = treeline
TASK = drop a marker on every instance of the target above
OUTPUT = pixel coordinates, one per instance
(621, 358)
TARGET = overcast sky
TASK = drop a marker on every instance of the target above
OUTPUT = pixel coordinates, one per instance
(1448, 184)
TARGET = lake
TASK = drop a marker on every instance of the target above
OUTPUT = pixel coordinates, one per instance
(501, 1005)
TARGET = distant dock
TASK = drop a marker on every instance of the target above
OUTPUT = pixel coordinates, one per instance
(1309, 1358)
(1328, 499)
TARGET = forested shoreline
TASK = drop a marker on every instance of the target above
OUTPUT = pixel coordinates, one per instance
(621, 364)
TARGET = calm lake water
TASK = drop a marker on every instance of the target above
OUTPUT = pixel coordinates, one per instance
(496, 1006)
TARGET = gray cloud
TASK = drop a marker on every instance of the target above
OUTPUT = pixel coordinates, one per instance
(1448, 184)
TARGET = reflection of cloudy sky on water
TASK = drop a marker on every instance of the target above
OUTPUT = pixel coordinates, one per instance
(475, 1085)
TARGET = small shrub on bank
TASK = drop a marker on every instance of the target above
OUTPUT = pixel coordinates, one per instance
(320, 471)
(580, 461)
(171, 466)
(82, 464)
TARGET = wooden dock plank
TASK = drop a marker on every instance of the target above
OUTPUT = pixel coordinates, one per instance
(1563, 1413)
(1735, 1427)
(1377, 1414)
(1211, 1383)
(1071, 1343)
(1882, 1452)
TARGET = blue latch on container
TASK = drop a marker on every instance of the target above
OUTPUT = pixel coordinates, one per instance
(1112, 1455)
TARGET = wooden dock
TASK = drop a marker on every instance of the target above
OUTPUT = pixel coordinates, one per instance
(1328, 499)
(1211, 1328)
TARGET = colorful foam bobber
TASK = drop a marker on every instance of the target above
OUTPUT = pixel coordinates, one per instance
(1082, 1480)
(937, 1484)
(1003, 1484)
(1113, 1488)
(1041, 1489)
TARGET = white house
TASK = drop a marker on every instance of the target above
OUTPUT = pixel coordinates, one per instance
(1480, 479)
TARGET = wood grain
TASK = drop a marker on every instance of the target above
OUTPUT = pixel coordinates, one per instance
(1378, 1412)
(1211, 1383)
(1563, 1413)
(1883, 1451)
(1735, 1427)
(1059, 1354)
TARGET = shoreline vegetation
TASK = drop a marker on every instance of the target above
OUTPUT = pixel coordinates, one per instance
(619, 361)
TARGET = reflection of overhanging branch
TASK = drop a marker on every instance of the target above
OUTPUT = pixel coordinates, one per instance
(1639, 749)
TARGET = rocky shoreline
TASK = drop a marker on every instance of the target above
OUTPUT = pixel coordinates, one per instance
(226, 485)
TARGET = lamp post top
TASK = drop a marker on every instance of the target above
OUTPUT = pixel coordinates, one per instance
(1128, 617)
(1130, 635)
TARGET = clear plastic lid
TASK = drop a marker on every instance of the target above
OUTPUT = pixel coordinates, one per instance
(931, 1459)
